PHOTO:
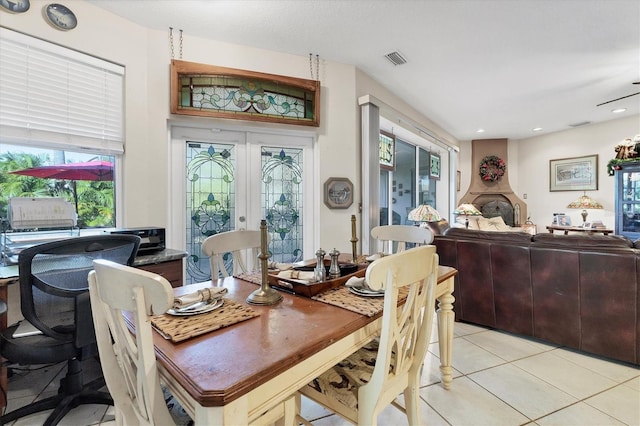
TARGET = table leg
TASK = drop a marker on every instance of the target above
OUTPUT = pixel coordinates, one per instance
(446, 318)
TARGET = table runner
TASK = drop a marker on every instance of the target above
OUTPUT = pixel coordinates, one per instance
(179, 328)
(368, 306)
(252, 277)
(341, 297)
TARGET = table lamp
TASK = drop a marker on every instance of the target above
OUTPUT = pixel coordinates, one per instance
(424, 213)
(467, 210)
(585, 202)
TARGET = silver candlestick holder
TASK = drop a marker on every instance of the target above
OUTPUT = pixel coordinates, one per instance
(265, 295)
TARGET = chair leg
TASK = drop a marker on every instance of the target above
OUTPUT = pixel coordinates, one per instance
(412, 403)
(71, 393)
(72, 401)
(36, 407)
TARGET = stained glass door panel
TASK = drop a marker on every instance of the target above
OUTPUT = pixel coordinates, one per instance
(210, 201)
(217, 200)
(282, 201)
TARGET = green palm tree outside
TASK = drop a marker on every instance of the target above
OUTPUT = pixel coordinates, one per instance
(96, 208)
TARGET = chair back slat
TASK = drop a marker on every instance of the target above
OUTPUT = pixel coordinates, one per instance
(243, 245)
(406, 329)
(402, 235)
(129, 362)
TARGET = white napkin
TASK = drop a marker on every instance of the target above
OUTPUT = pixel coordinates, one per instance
(297, 275)
(376, 256)
(279, 266)
(355, 282)
(206, 294)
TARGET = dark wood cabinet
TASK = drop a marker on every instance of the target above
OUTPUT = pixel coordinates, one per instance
(627, 201)
(171, 270)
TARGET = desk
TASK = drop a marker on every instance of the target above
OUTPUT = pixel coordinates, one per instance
(568, 229)
(232, 375)
(167, 263)
(8, 275)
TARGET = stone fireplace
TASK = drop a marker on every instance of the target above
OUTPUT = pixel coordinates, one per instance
(493, 198)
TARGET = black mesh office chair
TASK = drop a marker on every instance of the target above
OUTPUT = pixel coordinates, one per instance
(55, 299)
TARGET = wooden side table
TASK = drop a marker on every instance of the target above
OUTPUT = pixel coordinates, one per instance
(567, 229)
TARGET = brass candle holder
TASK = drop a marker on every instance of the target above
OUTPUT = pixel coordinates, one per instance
(265, 295)
(354, 239)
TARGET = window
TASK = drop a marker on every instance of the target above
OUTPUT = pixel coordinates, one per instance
(212, 91)
(59, 107)
(84, 180)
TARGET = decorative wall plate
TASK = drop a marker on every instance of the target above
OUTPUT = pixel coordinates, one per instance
(60, 16)
(338, 193)
(15, 6)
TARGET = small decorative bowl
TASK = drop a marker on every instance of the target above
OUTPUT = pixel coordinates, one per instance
(347, 268)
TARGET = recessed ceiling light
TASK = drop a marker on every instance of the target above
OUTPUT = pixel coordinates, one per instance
(536, 129)
(480, 131)
(618, 110)
(582, 123)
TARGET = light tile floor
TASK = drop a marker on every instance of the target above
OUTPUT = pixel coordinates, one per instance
(499, 379)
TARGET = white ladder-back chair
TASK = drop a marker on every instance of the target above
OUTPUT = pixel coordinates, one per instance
(402, 234)
(359, 387)
(240, 243)
(129, 362)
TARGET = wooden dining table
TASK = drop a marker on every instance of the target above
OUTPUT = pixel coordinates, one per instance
(232, 375)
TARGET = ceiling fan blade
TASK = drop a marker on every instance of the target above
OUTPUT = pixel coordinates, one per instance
(613, 100)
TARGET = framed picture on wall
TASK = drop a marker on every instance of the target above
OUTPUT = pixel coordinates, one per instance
(574, 174)
(387, 151)
(434, 166)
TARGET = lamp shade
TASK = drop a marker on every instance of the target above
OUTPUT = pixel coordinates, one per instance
(424, 213)
(467, 210)
(585, 202)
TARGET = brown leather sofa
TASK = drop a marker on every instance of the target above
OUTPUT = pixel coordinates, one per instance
(578, 291)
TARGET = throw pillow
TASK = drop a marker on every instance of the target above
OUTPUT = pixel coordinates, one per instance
(493, 224)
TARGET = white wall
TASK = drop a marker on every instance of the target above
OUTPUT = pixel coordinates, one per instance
(102, 34)
(146, 55)
(398, 114)
(533, 155)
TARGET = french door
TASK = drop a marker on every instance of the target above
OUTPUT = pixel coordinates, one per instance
(234, 179)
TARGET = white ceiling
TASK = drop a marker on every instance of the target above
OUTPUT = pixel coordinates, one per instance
(506, 66)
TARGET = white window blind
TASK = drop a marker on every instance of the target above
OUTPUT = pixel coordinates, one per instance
(58, 97)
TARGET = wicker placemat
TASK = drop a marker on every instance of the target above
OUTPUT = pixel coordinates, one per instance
(368, 306)
(179, 328)
(252, 277)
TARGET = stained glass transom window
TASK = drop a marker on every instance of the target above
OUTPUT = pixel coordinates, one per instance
(225, 92)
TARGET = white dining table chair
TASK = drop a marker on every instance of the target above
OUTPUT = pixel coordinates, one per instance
(400, 236)
(243, 245)
(361, 386)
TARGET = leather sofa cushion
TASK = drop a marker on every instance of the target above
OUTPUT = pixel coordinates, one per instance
(490, 236)
(582, 241)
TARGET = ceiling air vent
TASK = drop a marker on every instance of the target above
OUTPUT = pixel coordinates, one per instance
(396, 58)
